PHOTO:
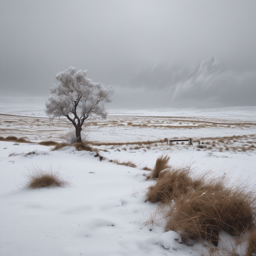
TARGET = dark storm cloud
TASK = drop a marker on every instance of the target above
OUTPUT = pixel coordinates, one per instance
(135, 45)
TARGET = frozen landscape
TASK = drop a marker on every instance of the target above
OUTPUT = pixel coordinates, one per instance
(127, 128)
(102, 210)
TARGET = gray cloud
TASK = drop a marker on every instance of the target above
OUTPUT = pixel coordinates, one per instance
(209, 84)
(119, 42)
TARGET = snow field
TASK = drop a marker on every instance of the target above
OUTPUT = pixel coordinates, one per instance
(103, 210)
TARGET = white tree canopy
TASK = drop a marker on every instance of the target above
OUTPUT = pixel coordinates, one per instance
(76, 94)
(77, 97)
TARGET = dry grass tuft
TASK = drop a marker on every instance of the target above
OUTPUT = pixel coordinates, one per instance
(48, 143)
(251, 250)
(128, 163)
(60, 145)
(161, 164)
(78, 145)
(210, 208)
(171, 185)
(22, 140)
(43, 179)
(125, 143)
(14, 139)
(11, 138)
(146, 169)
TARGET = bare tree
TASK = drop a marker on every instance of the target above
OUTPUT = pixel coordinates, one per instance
(77, 98)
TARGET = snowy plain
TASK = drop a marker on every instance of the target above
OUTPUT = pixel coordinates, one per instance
(103, 210)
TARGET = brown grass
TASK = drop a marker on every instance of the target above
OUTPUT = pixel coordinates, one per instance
(125, 143)
(78, 145)
(251, 243)
(208, 209)
(22, 140)
(43, 179)
(160, 165)
(14, 139)
(11, 138)
(146, 169)
(128, 163)
(48, 143)
(60, 145)
(171, 185)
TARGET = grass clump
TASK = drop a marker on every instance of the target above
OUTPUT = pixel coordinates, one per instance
(160, 165)
(78, 145)
(14, 139)
(170, 185)
(128, 163)
(44, 179)
(11, 138)
(251, 249)
(208, 209)
(60, 145)
(48, 143)
(201, 207)
(146, 169)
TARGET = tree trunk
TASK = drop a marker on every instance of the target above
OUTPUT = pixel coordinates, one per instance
(78, 134)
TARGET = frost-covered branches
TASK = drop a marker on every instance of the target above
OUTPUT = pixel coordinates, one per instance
(77, 97)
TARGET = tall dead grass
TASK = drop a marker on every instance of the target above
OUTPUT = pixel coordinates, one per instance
(170, 185)
(160, 165)
(251, 249)
(210, 208)
(200, 207)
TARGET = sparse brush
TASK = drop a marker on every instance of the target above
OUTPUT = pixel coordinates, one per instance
(160, 165)
(44, 179)
(1, 138)
(170, 185)
(208, 209)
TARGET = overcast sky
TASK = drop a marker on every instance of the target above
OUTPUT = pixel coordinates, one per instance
(162, 53)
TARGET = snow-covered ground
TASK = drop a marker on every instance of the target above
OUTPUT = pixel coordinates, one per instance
(103, 210)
